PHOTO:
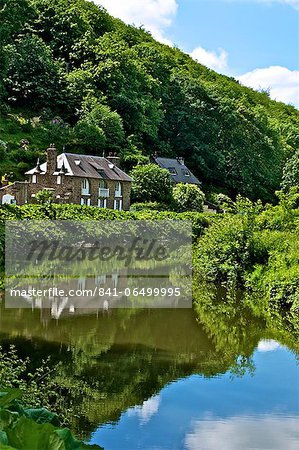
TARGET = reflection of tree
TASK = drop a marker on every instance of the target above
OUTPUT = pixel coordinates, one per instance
(110, 363)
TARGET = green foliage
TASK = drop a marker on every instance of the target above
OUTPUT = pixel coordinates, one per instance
(257, 248)
(151, 184)
(44, 197)
(130, 94)
(149, 206)
(34, 429)
(33, 77)
(291, 173)
(223, 202)
(188, 197)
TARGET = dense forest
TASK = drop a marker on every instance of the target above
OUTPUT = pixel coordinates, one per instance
(72, 74)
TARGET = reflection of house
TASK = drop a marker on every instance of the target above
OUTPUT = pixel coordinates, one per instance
(79, 179)
(178, 170)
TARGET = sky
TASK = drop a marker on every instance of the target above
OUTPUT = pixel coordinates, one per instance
(255, 41)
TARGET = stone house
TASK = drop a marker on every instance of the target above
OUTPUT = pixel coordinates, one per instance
(78, 179)
(179, 172)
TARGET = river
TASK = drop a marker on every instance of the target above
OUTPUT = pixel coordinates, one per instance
(166, 379)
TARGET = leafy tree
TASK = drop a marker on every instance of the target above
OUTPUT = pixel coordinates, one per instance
(188, 197)
(44, 197)
(291, 173)
(151, 184)
(90, 137)
(34, 78)
(109, 122)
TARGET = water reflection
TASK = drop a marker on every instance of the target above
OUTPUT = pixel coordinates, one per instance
(196, 413)
(162, 379)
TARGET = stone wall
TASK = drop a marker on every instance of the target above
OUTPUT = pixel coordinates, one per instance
(69, 191)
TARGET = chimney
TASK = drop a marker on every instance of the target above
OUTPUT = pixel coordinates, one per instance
(51, 159)
(4, 181)
(114, 159)
(181, 160)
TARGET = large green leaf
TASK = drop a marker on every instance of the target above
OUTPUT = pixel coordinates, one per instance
(7, 397)
(27, 435)
(42, 415)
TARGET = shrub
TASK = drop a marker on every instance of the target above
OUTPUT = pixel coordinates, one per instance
(188, 197)
(149, 206)
(151, 184)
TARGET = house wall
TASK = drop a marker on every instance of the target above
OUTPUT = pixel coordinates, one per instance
(69, 191)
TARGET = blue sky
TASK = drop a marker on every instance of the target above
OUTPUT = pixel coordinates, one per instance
(256, 41)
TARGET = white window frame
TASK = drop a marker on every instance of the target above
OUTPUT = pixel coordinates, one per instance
(118, 190)
(103, 189)
(34, 179)
(85, 186)
(85, 202)
(120, 203)
(104, 200)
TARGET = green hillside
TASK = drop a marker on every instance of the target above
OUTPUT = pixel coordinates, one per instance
(72, 74)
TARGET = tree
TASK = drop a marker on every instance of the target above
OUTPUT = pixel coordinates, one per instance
(44, 197)
(188, 197)
(151, 184)
(34, 78)
(291, 173)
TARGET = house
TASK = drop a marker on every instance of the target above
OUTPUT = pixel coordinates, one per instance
(78, 179)
(178, 170)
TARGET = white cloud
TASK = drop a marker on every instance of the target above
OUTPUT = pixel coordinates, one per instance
(155, 15)
(216, 60)
(268, 345)
(235, 433)
(148, 409)
(282, 82)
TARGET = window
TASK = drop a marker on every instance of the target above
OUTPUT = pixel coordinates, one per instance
(172, 170)
(186, 172)
(100, 280)
(85, 187)
(102, 203)
(103, 189)
(34, 179)
(118, 204)
(59, 179)
(85, 201)
(118, 190)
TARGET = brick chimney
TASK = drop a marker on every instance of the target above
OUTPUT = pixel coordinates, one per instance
(51, 159)
(114, 159)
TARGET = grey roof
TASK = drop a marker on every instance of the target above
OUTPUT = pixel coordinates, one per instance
(179, 170)
(86, 166)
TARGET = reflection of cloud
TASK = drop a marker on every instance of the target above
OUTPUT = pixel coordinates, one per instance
(268, 345)
(246, 433)
(148, 409)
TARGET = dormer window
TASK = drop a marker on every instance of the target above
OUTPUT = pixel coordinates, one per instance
(34, 179)
(85, 189)
(186, 172)
(118, 190)
(172, 171)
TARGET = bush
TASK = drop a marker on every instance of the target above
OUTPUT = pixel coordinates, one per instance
(188, 197)
(149, 206)
(151, 184)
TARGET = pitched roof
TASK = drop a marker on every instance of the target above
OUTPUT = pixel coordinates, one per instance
(178, 170)
(86, 166)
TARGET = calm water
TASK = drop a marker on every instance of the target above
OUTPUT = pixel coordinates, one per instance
(163, 380)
